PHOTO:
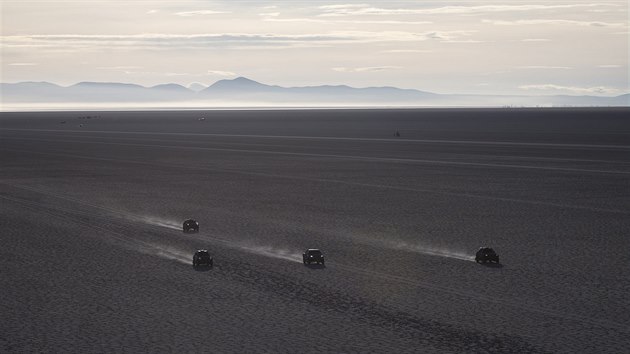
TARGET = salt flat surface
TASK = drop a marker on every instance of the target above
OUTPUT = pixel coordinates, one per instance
(92, 257)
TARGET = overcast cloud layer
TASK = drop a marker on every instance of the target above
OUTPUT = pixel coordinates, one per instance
(485, 47)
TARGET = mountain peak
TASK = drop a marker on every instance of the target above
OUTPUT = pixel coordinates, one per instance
(243, 79)
(240, 83)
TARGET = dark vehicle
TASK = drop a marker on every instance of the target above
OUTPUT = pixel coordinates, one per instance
(202, 258)
(486, 254)
(313, 255)
(191, 225)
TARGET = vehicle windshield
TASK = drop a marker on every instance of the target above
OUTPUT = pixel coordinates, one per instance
(315, 252)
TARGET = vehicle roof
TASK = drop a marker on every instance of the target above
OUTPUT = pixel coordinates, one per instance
(313, 249)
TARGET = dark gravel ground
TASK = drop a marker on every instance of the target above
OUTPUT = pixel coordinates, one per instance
(92, 258)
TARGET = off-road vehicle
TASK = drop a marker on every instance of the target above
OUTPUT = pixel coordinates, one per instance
(202, 258)
(313, 255)
(190, 225)
(486, 254)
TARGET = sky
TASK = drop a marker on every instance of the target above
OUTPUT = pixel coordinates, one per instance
(474, 47)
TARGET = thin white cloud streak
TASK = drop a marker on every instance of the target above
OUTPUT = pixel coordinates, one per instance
(154, 73)
(199, 13)
(366, 69)
(572, 89)
(609, 66)
(122, 67)
(536, 40)
(544, 67)
(364, 9)
(407, 51)
(356, 22)
(193, 41)
(23, 64)
(464, 41)
(553, 22)
(220, 73)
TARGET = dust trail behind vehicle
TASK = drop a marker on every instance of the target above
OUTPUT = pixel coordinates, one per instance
(274, 252)
(157, 221)
(428, 250)
(166, 252)
(263, 250)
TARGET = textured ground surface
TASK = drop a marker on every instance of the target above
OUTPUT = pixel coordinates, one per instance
(92, 258)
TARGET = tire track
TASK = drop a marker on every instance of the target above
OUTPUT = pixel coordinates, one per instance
(341, 157)
(301, 137)
(341, 182)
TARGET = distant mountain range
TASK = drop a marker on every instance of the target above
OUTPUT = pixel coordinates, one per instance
(246, 92)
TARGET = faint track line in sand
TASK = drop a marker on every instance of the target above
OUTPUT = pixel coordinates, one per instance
(301, 137)
(327, 180)
(486, 156)
(342, 157)
(467, 294)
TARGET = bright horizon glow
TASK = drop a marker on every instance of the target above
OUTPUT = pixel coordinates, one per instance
(473, 47)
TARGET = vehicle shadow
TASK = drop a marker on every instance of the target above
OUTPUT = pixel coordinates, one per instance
(315, 266)
(492, 265)
(202, 268)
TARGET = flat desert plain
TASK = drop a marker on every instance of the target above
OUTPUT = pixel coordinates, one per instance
(93, 258)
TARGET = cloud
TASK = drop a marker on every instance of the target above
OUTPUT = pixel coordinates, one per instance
(553, 22)
(149, 41)
(572, 89)
(23, 64)
(199, 13)
(366, 69)
(609, 66)
(375, 22)
(220, 73)
(544, 67)
(364, 9)
(122, 67)
(536, 40)
(407, 51)
(154, 73)
(151, 12)
(464, 41)
(166, 41)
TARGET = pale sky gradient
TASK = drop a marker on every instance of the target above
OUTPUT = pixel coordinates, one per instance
(485, 47)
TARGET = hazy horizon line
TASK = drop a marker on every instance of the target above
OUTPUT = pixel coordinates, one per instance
(591, 94)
